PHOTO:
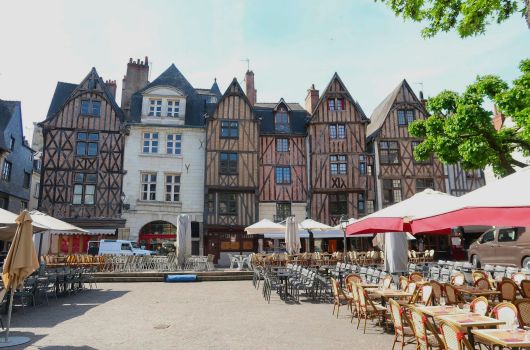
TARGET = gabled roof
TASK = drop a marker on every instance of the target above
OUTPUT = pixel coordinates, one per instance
(238, 91)
(172, 77)
(380, 112)
(298, 118)
(198, 102)
(348, 96)
(64, 91)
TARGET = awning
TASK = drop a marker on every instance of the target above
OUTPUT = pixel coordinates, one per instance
(318, 235)
(90, 232)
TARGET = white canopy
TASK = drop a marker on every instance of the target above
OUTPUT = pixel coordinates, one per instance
(312, 225)
(264, 227)
(53, 224)
(41, 222)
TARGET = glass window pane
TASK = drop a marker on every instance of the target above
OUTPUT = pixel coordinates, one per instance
(90, 189)
(92, 149)
(80, 149)
(78, 189)
(93, 136)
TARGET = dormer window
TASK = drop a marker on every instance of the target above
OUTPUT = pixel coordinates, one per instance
(155, 108)
(281, 121)
(173, 108)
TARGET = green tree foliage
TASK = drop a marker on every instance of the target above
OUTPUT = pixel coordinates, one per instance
(460, 128)
(468, 17)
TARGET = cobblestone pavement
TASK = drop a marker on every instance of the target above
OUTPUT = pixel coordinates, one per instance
(207, 315)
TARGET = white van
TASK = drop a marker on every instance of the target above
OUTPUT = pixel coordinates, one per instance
(116, 247)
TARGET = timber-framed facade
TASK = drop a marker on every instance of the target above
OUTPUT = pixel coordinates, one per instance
(82, 158)
(231, 188)
(340, 168)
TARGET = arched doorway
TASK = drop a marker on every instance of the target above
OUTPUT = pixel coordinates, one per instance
(154, 233)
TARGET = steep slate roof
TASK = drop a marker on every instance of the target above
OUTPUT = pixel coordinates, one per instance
(61, 94)
(298, 118)
(6, 113)
(348, 96)
(63, 91)
(197, 101)
(380, 112)
(215, 88)
(293, 106)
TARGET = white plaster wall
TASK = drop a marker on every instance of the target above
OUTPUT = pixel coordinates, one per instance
(190, 166)
(267, 210)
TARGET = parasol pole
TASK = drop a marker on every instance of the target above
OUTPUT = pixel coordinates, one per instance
(9, 314)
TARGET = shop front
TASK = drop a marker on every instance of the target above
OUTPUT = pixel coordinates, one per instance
(154, 234)
(223, 243)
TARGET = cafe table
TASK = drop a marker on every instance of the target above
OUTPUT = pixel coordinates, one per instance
(468, 321)
(476, 292)
(513, 339)
(439, 310)
(388, 293)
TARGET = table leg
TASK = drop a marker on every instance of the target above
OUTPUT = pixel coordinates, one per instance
(470, 337)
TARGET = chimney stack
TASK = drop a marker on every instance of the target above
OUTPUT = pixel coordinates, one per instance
(311, 99)
(111, 85)
(423, 100)
(251, 91)
(135, 79)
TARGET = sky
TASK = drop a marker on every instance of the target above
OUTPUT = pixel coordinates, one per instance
(290, 44)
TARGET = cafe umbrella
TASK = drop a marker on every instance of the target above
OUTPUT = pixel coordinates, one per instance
(21, 261)
(183, 241)
(504, 202)
(292, 236)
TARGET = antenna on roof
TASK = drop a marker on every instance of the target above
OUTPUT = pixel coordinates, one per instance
(420, 83)
(248, 62)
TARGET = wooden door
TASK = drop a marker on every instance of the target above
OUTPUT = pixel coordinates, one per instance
(212, 247)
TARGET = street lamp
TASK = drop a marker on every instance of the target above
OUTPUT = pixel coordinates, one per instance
(343, 223)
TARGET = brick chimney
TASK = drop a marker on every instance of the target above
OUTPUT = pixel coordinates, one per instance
(111, 85)
(251, 91)
(498, 119)
(311, 99)
(136, 78)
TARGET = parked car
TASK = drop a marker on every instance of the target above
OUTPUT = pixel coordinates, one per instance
(502, 246)
(116, 247)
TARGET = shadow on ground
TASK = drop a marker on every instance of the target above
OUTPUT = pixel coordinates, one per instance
(64, 309)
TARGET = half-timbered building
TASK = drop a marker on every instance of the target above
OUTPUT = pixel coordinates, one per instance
(283, 183)
(82, 160)
(398, 174)
(340, 168)
(164, 156)
(232, 144)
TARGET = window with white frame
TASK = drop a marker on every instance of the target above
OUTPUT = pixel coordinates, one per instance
(172, 188)
(150, 142)
(173, 108)
(37, 190)
(155, 108)
(149, 186)
(174, 144)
